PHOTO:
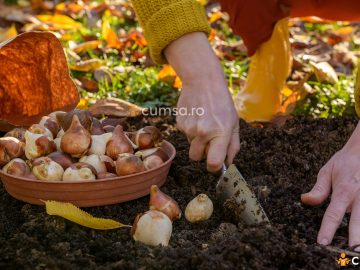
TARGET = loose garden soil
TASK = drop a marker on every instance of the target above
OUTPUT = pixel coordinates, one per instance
(279, 162)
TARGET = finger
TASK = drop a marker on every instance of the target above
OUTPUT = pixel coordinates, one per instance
(331, 220)
(197, 148)
(217, 153)
(233, 149)
(321, 189)
(354, 226)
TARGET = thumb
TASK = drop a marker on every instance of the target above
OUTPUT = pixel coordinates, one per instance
(321, 189)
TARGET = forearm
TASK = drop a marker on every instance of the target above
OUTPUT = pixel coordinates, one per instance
(193, 59)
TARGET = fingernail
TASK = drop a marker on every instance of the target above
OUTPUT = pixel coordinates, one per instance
(324, 242)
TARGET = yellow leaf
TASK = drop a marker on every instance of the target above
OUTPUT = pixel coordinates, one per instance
(89, 45)
(287, 91)
(7, 33)
(58, 22)
(203, 2)
(87, 65)
(75, 214)
(216, 16)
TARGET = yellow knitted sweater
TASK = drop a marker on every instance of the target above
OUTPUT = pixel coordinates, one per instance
(164, 21)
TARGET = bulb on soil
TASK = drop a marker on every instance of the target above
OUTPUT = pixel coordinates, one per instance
(161, 202)
(152, 228)
(199, 209)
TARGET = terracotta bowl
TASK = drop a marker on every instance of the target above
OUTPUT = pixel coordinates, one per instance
(90, 193)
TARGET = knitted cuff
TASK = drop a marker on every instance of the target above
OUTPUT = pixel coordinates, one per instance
(172, 22)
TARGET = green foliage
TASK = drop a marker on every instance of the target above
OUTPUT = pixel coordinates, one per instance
(329, 100)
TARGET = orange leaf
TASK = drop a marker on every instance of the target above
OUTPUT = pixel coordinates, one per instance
(89, 45)
(110, 36)
(166, 71)
(177, 83)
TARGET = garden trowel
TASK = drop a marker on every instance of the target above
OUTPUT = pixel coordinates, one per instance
(232, 185)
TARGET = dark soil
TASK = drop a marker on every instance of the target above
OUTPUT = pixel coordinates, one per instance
(280, 164)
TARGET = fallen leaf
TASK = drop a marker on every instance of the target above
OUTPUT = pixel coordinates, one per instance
(324, 72)
(87, 65)
(108, 34)
(75, 214)
(57, 22)
(89, 85)
(115, 107)
(89, 45)
(34, 75)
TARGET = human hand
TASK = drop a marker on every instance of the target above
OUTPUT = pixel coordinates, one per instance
(210, 121)
(341, 174)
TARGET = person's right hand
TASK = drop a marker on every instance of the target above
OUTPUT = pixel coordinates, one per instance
(210, 121)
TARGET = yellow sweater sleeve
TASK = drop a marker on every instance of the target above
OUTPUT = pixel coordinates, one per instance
(164, 21)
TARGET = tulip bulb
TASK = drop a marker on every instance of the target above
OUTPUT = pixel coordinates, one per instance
(108, 128)
(60, 133)
(129, 164)
(118, 144)
(10, 148)
(46, 169)
(161, 202)
(99, 162)
(61, 158)
(17, 167)
(152, 162)
(50, 124)
(38, 129)
(78, 172)
(38, 145)
(53, 115)
(84, 117)
(76, 140)
(198, 209)
(152, 228)
(98, 143)
(96, 128)
(146, 137)
(18, 133)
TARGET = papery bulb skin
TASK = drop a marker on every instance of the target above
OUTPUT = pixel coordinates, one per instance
(199, 209)
(99, 142)
(79, 172)
(10, 148)
(61, 158)
(38, 145)
(146, 137)
(76, 140)
(127, 164)
(164, 203)
(152, 228)
(118, 144)
(18, 133)
(152, 162)
(95, 161)
(38, 129)
(50, 124)
(46, 169)
(109, 128)
(96, 128)
(16, 167)
(84, 117)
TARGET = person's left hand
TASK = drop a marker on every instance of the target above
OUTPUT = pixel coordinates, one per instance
(341, 174)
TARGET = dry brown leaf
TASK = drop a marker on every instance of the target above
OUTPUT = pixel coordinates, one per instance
(115, 107)
(34, 78)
